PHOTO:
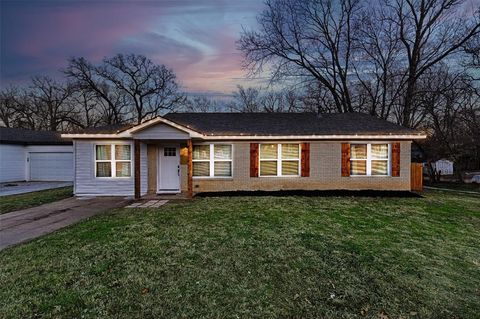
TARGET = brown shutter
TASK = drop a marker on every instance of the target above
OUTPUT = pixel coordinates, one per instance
(305, 151)
(345, 159)
(253, 159)
(190, 168)
(395, 159)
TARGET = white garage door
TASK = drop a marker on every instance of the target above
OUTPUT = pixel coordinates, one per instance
(51, 166)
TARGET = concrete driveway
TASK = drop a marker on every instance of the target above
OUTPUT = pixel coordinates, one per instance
(20, 226)
(13, 188)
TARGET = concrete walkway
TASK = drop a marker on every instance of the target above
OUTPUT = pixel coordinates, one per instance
(20, 226)
(149, 204)
(14, 188)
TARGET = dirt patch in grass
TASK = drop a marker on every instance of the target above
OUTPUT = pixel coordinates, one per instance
(263, 257)
(16, 202)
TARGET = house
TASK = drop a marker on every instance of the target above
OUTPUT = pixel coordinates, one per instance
(214, 152)
(28, 155)
(443, 167)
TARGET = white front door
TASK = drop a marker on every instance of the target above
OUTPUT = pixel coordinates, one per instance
(168, 169)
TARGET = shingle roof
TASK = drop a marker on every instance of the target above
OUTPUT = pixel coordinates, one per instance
(31, 137)
(274, 124)
(287, 124)
(106, 129)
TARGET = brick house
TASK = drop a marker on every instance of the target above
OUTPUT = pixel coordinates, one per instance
(213, 152)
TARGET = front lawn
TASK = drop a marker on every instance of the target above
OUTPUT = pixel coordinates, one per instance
(472, 187)
(21, 201)
(264, 257)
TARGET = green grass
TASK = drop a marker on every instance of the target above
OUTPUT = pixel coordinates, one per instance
(471, 187)
(264, 257)
(16, 202)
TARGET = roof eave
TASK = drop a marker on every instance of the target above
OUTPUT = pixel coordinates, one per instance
(319, 137)
(127, 135)
(159, 119)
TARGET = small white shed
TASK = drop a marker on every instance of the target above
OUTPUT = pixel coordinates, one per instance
(444, 167)
(27, 155)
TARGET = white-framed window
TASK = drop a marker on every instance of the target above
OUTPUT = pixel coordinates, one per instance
(212, 160)
(279, 159)
(113, 160)
(370, 159)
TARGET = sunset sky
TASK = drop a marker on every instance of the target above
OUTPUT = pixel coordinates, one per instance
(194, 38)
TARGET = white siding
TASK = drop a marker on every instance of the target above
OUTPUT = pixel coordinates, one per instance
(85, 181)
(12, 163)
(87, 184)
(162, 132)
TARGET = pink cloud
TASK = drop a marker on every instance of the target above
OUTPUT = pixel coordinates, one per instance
(195, 39)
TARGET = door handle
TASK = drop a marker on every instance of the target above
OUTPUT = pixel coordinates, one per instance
(178, 170)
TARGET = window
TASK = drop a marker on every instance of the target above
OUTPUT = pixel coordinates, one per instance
(369, 159)
(113, 160)
(279, 159)
(358, 159)
(213, 160)
(169, 151)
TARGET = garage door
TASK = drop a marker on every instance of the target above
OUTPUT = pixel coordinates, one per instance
(51, 166)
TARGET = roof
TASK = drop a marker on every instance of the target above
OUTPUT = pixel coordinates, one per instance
(30, 137)
(106, 129)
(280, 124)
(259, 125)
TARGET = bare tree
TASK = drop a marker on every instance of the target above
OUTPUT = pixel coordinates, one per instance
(452, 116)
(472, 61)
(201, 104)
(310, 39)
(378, 62)
(151, 88)
(9, 106)
(429, 32)
(87, 107)
(280, 101)
(49, 100)
(470, 120)
(317, 99)
(112, 103)
(473, 49)
(26, 114)
(245, 100)
(272, 102)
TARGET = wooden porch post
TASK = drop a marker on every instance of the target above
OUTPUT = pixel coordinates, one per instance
(137, 168)
(190, 169)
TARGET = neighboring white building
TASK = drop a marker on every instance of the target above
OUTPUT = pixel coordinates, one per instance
(444, 167)
(27, 155)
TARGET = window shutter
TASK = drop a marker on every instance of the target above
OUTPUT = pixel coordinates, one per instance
(253, 159)
(345, 159)
(305, 151)
(395, 159)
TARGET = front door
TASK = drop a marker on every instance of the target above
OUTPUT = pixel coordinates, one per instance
(169, 169)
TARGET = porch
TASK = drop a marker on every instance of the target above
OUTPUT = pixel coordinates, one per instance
(168, 164)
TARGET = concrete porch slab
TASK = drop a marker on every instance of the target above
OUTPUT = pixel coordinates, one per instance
(148, 204)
